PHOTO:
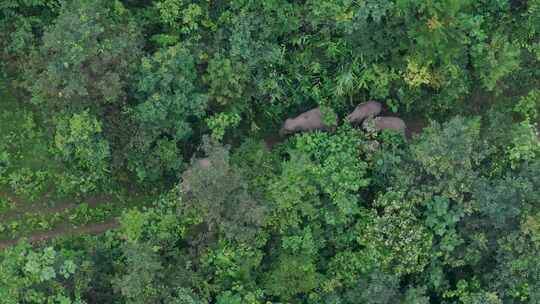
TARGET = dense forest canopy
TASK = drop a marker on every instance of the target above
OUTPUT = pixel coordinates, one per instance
(155, 151)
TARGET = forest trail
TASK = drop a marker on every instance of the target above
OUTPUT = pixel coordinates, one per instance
(95, 228)
(23, 207)
(13, 198)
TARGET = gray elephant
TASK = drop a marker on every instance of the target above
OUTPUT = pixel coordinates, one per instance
(307, 121)
(363, 111)
(385, 122)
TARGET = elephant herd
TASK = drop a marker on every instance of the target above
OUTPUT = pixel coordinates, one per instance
(364, 114)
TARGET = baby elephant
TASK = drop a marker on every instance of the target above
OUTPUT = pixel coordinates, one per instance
(363, 111)
(386, 122)
(307, 121)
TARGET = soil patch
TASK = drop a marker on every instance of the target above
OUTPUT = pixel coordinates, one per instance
(44, 207)
(93, 229)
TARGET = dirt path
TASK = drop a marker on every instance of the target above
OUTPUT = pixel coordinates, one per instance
(95, 228)
(23, 208)
(11, 197)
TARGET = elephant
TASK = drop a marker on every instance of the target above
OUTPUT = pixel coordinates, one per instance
(307, 121)
(385, 122)
(363, 111)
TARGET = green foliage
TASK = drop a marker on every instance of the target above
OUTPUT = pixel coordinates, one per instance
(162, 225)
(440, 149)
(168, 92)
(525, 144)
(225, 80)
(79, 142)
(39, 276)
(220, 194)
(494, 60)
(85, 57)
(183, 18)
(132, 222)
(484, 297)
(27, 183)
(143, 268)
(4, 162)
(220, 122)
(398, 234)
(233, 267)
(28, 167)
(124, 96)
(324, 170)
(170, 101)
(71, 217)
(329, 117)
(257, 164)
(6, 204)
(184, 296)
(529, 105)
(380, 288)
(21, 25)
(299, 273)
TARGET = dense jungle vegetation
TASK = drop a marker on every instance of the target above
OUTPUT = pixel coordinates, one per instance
(141, 161)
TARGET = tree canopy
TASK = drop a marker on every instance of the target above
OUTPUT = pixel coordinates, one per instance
(141, 159)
